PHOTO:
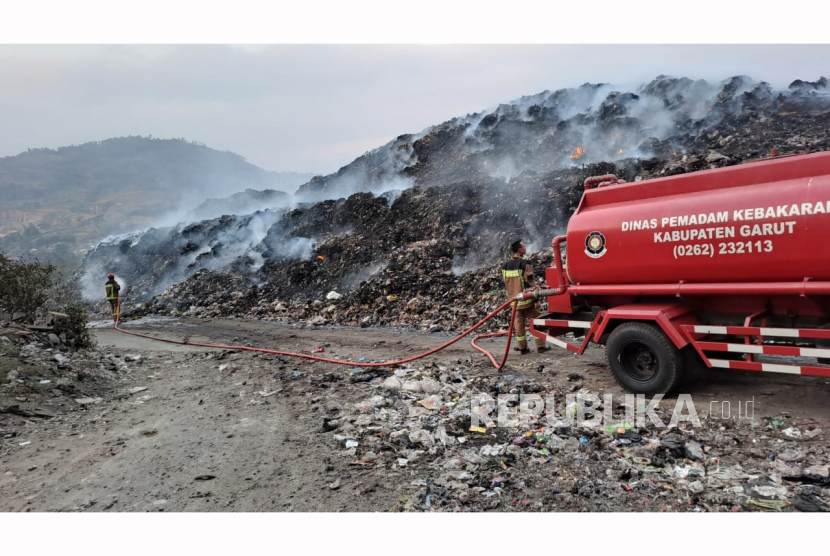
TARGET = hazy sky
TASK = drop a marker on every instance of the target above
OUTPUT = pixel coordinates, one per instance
(316, 108)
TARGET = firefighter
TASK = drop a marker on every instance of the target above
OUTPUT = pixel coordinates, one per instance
(517, 274)
(112, 295)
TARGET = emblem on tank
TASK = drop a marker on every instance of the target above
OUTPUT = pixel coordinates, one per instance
(595, 245)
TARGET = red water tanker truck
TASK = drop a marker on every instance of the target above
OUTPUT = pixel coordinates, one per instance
(730, 267)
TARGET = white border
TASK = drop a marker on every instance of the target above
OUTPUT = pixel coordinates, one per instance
(424, 21)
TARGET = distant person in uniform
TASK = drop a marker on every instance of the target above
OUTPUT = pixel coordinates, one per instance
(517, 274)
(112, 295)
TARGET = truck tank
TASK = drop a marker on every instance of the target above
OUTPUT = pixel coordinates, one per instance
(761, 221)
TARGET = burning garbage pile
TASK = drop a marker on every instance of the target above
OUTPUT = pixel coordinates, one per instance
(427, 256)
(386, 263)
(599, 123)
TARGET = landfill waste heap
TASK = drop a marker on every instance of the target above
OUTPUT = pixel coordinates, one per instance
(411, 233)
(415, 424)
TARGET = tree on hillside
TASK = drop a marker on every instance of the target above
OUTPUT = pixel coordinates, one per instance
(24, 285)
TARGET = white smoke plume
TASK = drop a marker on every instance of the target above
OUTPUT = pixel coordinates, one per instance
(540, 133)
(356, 277)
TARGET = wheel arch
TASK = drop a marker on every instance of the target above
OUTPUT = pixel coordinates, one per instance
(667, 317)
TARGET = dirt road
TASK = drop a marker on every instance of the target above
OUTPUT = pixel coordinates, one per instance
(219, 431)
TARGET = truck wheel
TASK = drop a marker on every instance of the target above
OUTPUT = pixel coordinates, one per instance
(643, 359)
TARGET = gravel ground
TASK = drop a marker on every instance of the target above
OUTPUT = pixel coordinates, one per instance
(177, 428)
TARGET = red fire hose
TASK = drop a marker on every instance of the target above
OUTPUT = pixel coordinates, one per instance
(509, 334)
(499, 366)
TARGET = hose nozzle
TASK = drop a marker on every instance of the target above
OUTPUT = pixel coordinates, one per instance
(536, 294)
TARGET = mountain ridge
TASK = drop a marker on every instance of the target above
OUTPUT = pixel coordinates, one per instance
(77, 194)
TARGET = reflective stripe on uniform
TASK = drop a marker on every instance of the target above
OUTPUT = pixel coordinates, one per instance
(511, 273)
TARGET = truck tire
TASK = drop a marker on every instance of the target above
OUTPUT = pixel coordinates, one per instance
(643, 360)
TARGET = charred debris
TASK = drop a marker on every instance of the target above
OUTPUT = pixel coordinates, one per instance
(411, 233)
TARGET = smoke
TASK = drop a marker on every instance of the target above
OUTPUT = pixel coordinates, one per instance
(480, 252)
(240, 241)
(572, 128)
(378, 171)
(462, 265)
(597, 122)
(494, 150)
(356, 277)
(351, 182)
(91, 282)
(295, 248)
(487, 242)
(157, 258)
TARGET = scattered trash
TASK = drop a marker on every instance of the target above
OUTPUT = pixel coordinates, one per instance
(629, 435)
(693, 450)
(808, 501)
(266, 394)
(682, 471)
(768, 492)
(619, 428)
(432, 403)
(819, 480)
(696, 487)
(776, 505)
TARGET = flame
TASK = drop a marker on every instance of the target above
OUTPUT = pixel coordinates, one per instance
(578, 152)
(321, 257)
(675, 154)
(620, 151)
